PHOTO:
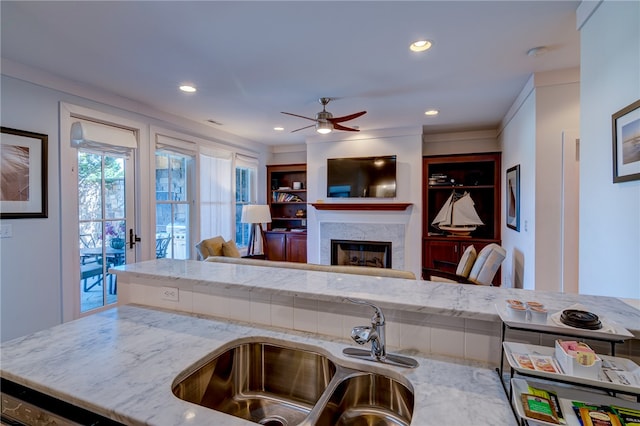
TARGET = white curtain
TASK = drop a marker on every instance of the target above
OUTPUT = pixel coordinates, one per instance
(216, 196)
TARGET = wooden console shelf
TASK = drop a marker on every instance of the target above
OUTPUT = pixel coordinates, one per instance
(361, 206)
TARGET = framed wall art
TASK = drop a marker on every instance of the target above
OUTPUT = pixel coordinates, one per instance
(513, 197)
(23, 166)
(626, 143)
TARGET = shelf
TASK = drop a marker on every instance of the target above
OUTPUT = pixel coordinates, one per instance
(610, 332)
(566, 396)
(450, 187)
(362, 206)
(289, 202)
(520, 348)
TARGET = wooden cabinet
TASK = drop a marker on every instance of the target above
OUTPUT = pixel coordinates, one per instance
(286, 246)
(287, 199)
(477, 174)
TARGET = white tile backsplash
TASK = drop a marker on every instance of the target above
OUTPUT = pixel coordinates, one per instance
(426, 333)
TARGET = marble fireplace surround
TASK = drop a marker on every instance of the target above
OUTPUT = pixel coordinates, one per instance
(385, 232)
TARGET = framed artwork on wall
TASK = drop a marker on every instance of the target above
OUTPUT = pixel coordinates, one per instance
(626, 143)
(513, 198)
(23, 165)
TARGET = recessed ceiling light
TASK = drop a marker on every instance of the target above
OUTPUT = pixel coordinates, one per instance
(278, 129)
(187, 88)
(431, 112)
(420, 45)
(537, 51)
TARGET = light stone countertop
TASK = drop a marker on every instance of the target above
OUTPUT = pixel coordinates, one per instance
(455, 300)
(121, 363)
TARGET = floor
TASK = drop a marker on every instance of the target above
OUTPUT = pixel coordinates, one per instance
(94, 297)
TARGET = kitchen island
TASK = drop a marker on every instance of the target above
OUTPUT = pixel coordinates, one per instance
(447, 319)
(121, 363)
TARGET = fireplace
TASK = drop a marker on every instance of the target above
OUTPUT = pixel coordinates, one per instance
(375, 254)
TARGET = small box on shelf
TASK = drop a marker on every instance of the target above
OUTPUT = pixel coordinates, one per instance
(571, 366)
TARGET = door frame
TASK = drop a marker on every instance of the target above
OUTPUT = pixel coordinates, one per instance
(69, 250)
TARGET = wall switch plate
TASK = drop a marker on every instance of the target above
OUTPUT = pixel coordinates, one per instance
(6, 231)
(170, 293)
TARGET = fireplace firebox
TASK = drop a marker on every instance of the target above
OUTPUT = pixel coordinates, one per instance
(375, 254)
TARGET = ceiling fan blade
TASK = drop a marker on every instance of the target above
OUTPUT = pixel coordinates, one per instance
(337, 126)
(301, 116)
(302, 128)
(347, 117)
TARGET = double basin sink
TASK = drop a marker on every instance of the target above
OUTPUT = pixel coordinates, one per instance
(276, 384)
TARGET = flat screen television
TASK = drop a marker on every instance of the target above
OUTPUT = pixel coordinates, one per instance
(361, 177)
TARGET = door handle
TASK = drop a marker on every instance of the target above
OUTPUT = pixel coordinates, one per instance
(133, 239)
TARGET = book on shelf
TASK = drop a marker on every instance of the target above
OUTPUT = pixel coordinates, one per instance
(285, 197)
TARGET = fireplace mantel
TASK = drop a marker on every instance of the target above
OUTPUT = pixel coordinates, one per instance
(362, 206)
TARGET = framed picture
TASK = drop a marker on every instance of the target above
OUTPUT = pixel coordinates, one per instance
(513, 197)
(23, 166)
(626, 143)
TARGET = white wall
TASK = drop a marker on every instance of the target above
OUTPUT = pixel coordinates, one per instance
(406, 144)
(557, 110)
(518, 140)
(609, 213)
(464, 142)
(31, 289)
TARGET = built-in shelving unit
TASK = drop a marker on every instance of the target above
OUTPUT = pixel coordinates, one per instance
(477, 174)
(286, 236)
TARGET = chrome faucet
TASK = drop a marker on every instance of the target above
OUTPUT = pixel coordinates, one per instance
(363, 334)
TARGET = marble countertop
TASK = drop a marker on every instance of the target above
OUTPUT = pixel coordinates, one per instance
(121, 363)
(457, 300)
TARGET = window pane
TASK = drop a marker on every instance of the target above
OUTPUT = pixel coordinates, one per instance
(89, 184)
(172, 206)
(114, 187)
(177, 179)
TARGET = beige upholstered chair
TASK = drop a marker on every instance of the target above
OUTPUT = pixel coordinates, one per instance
(472, 269)
(216, 246)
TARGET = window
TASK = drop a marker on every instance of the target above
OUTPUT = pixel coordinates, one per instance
(216, 201)
(172, 205)
(246, 190)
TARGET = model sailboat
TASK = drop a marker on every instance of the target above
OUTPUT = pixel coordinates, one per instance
(458, 215)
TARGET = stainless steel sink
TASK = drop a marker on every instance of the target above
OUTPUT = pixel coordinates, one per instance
(368, 399)
(276, 384)
(261, 382)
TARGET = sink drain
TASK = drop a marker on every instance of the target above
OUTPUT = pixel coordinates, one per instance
(274, 421)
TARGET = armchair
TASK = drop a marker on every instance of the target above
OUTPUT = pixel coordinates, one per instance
(473, 268)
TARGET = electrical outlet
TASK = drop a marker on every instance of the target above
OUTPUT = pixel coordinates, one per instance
(170, 293)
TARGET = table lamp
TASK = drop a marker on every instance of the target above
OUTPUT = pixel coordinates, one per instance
(256, 215)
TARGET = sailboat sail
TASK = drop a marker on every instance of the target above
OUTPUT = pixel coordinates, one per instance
(458, 212)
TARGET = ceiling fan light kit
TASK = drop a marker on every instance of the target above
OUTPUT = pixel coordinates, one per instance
(323, 127)
(326, 122)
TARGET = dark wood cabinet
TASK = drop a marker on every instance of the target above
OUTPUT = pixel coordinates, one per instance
(286, 246)
(287, 198)
(477, 174)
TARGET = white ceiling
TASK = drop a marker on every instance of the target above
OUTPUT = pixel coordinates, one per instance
(252, 60)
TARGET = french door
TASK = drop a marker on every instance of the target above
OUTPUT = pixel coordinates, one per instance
(105, 222)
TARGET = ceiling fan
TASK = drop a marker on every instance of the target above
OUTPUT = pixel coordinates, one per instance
(326, 122)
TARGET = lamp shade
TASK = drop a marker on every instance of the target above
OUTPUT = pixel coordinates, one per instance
(255, 213)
